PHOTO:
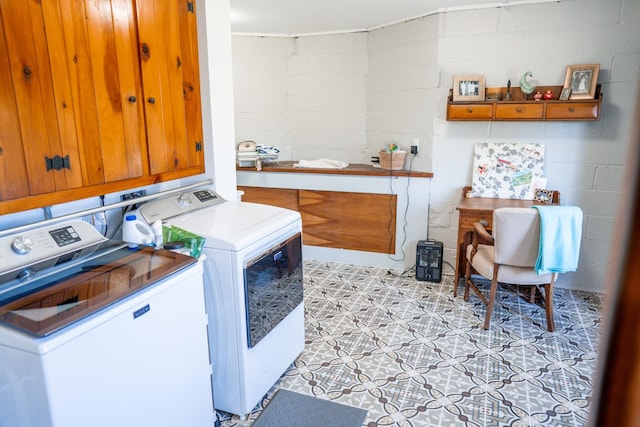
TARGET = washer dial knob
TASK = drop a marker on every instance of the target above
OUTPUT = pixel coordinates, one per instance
(184, 201)
(22, 245)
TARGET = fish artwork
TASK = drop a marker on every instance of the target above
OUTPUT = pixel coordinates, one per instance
(525, 86)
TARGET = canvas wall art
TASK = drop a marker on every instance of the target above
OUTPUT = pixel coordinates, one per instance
(508, 170)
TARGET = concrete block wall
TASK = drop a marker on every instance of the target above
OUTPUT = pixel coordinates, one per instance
(401, 76)
(584, 161)
(306, 95)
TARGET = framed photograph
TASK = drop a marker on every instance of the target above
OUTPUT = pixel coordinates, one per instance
(543, 196)
(564, 95)
(582, 80)
(468, 87)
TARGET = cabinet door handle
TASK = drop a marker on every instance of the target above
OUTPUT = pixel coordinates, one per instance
(132, 98)
(152, 100)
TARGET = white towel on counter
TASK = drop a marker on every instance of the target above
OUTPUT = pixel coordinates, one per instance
(321, 164)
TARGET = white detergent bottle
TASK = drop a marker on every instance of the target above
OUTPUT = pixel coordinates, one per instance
(136, 232)
(157, 234)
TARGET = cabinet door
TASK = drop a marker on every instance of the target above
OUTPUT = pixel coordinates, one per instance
(103, 72)
(38, 140)
(14, 180)
(357, 221)
(169, 64)
(71, 81)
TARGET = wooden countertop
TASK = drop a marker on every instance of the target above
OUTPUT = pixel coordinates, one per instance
(352, 169)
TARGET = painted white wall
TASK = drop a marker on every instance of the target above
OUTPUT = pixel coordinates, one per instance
(306, 95)
(407, 76)
(216, 82)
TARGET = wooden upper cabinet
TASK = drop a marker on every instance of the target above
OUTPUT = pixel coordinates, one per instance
(97, 97)
(170, 82)
(72, 67)
(102, 67)
(38, 141)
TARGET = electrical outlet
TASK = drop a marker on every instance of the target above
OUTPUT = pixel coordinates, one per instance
(133, 195)
(100, 218)
(414, 146)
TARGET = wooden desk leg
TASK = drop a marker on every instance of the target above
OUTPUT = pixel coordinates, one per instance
(464, 239)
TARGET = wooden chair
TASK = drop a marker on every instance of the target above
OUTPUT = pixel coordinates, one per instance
(555, 200)
(510, 257)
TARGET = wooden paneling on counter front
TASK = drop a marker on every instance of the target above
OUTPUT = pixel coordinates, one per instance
(97, 97)
(336, 219)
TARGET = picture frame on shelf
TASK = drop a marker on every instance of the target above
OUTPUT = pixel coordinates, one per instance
(582, 80)
(564, 95)
(468, 87)
(543, 196)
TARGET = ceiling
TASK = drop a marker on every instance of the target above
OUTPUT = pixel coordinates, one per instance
(304, 17)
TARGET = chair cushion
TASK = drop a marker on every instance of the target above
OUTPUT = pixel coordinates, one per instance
(483, 264)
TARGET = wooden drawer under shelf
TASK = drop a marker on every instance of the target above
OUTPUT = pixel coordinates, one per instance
(470, 112)
(573, 111)
(519, 111)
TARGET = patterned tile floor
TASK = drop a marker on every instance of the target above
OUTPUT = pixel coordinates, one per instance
(412, 355)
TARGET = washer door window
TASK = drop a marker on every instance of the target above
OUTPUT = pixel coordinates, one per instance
(273, 288)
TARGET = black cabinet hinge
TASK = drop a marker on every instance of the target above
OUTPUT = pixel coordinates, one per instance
(57, 163)
(190, 6)
(198, 146)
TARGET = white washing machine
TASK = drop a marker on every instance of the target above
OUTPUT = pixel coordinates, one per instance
(253, 290)
(93, 333)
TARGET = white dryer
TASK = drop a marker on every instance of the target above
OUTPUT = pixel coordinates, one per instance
(253, 290)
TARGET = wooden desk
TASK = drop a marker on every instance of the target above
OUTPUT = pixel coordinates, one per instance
(480, 209)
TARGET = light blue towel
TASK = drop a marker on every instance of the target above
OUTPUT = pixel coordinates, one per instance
(560, 235)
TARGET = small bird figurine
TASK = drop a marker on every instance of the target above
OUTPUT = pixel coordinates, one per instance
(525, 87)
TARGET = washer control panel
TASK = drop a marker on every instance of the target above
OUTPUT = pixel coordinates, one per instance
(23, 253)
(168, 207)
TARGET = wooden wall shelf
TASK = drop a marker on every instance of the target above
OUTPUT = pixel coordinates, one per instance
(522, 109)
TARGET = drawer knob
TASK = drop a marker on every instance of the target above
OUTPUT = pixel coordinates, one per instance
(469, 110)
(572, 109)
(519, 110)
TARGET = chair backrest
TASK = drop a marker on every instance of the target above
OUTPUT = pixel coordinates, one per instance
(516, 234)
